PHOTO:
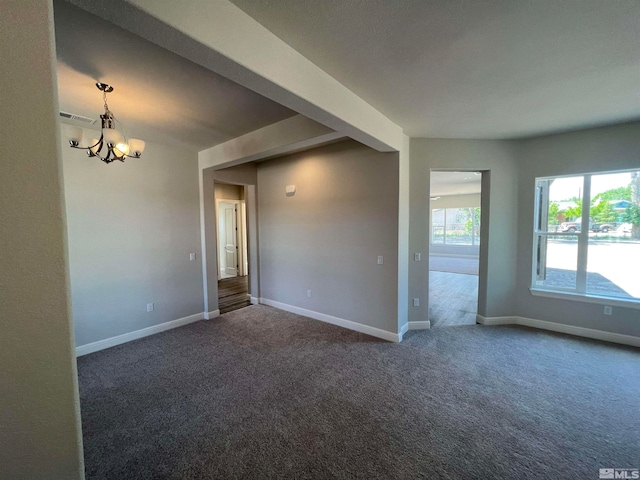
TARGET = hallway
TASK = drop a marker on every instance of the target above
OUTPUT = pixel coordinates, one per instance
(232, 294)
(453, 291)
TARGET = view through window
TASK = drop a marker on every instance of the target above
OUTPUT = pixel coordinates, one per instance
(455, 226)
(601, 259)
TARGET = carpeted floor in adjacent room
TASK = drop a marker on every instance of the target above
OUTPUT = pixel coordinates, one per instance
(261, 393)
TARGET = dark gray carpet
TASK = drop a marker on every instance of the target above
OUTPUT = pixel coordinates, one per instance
(260, 393)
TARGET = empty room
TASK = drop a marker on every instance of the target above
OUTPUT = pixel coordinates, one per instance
(233, 232)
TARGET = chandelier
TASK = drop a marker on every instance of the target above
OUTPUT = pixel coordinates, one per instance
(112, 145)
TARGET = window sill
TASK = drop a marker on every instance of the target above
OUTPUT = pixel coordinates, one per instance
(581, 297)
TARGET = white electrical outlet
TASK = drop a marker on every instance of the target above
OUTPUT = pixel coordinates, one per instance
(416, 302)
(149, 307)
(608, 310)
(309, 293)
(417, 257)
(192, 257)
(380, 260)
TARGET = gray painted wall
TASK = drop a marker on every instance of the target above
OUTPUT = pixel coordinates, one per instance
(328, 236)
(226, 191)
(594, 150)
(131, 228)
(497, 159)
(40, 436)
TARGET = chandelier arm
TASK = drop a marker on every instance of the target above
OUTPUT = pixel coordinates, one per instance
(109, 121)
(75, 145)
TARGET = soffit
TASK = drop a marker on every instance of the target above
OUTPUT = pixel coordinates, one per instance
(158, 95)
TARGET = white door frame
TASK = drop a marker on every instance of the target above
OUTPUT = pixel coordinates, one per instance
(241, 234)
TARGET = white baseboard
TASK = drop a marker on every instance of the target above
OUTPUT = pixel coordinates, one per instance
(426, 325)
(211, 315)
(403, 329)
(455, 255)
(254, 301)
(562, 328)
(127, 337)
(341, 322)
(495, 320)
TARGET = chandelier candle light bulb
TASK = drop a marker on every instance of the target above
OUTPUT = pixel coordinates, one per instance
(114, 144)
(112, 137)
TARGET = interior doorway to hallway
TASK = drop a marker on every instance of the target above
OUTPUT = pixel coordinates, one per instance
(454, 247)
(233, 258)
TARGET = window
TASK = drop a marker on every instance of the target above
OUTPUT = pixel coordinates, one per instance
(593, 251)
(455, 226)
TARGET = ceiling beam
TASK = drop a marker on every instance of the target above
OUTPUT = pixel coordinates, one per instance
(287, 136)
(221, 37)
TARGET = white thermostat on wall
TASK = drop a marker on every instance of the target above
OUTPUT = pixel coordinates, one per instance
(290, 190)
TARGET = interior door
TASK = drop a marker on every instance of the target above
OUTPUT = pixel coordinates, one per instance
(228, 216)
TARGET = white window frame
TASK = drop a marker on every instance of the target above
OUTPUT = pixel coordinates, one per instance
(474, 230)
(579, 293)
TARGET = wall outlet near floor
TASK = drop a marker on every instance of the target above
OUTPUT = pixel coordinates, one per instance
(380, 260)
(417, 257)
(149, 307)
(309, 293)
(192, 257)
(608, 310)
(416, 302)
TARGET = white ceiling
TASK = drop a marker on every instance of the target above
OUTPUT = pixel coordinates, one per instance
(158, 95)
(455, 183)
(473, 68)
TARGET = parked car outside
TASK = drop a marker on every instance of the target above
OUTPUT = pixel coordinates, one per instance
(602, 227)
(624, 228)
(572, 227)
(575, 226)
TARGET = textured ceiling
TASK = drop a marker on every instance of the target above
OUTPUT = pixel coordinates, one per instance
(473, 68)
(158, 96)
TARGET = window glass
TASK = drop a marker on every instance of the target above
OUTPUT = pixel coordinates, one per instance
(437, 226)
(560, 203)
(558, 261)
(614, 256)
(601, 258)
(455, 226)
(476, 225)
(458, 228)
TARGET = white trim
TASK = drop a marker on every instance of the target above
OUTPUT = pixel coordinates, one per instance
(341, 322)
(127, 337)
(582, 297)
(219, 246)
(454, 255)
(495, 320)
(203, 242)
(426, 325)
(562, 328)
(254, 300)
(403, 329)
(211, 315)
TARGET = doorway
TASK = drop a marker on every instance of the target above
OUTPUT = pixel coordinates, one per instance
(233, 259)
(454, 247)
(228, 243)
